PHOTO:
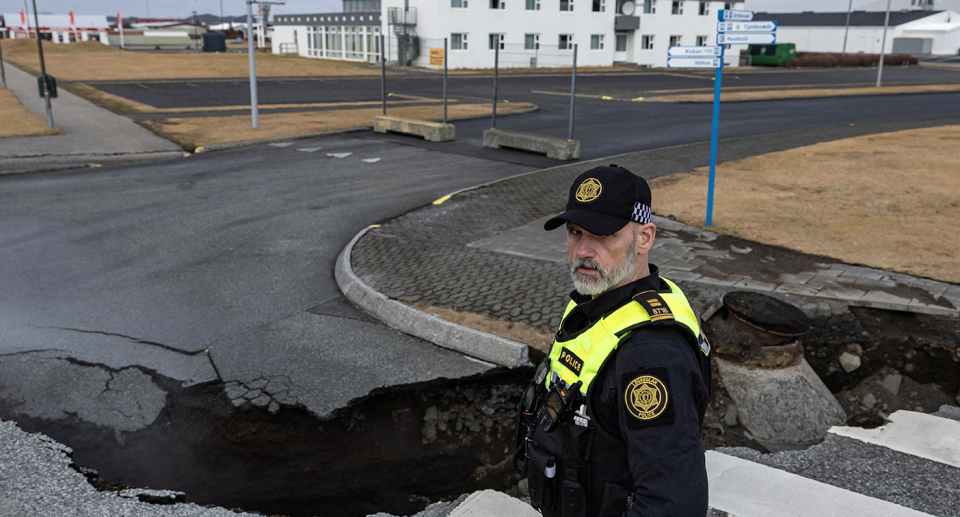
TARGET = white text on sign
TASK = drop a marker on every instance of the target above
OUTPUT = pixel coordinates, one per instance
(693, 51)
(735, 15)
(747, 26)
(746, 38)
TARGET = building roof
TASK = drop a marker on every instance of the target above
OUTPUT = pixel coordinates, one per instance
(58, 21)
(857, 18)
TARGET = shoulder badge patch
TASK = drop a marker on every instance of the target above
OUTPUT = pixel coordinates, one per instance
(589, 190)
(655, 306)
(646, 397)
(571, 361)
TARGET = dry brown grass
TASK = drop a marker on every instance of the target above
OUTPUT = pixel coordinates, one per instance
(814, 92)
(18, 120)
(89, 61)
(200, 131)
(538, 339)
(889, 201)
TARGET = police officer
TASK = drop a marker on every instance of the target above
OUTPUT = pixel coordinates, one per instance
(610, 424)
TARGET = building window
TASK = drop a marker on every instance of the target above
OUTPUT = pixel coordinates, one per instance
(596, 42)
(566, 42)
(704, 8)
(531, 42)
(495, 40)
(649, 6)
(675, 41)
(677, 7)
(458, 41)
(566, 5)
(533, 5)
(599, 6)
(458, 4)
(646, 42)
(702, 40)
(621, 42)
(498, 4)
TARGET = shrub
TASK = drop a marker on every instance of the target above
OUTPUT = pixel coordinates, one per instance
(831, 60)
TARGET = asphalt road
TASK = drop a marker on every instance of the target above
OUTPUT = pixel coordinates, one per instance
(514, 87)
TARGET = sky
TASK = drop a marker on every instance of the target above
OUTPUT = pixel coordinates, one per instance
(181, 8)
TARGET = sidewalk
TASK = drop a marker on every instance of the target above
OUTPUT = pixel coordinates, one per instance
(90, 134)
(484, 251)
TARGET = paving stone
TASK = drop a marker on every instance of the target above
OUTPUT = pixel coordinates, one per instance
(792, 288)
(798, 278)
(841, 293)
(755, 285)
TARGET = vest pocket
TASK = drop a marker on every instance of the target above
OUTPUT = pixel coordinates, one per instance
(542, 488)
(615, 499)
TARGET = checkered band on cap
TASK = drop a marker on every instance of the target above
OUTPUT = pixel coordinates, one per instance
(641, 213)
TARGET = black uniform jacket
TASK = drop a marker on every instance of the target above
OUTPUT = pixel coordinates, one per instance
(665, 454)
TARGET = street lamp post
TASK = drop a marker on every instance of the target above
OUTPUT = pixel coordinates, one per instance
(883, 43)
(254, 113)
(846, 29)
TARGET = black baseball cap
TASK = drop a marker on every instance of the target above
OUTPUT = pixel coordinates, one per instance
(604, 199)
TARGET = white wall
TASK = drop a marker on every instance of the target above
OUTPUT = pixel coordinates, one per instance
(866, 40)
(688, 25)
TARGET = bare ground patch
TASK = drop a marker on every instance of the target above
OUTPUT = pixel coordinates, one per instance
(888, 200)
(538, 339)
(200, 131)
(18, 120)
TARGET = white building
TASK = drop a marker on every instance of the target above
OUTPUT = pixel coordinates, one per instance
(909, 32)
(58, 28)
(911, 5)
(528, 33)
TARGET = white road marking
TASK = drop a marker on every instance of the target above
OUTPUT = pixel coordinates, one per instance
(309, 149)
(370, 160)
(747, 489)
(927, 436)
(282, 144)
(339, 155)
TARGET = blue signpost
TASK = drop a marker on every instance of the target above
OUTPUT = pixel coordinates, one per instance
(735, 27)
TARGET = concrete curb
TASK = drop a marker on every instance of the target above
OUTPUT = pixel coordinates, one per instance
(668, 100)
(408, 320)
(304, 136)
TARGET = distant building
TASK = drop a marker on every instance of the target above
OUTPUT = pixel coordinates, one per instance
(353, 35)
(529, 33)
(58, 28)
(909, 32)
(159, 33)
(913, 5)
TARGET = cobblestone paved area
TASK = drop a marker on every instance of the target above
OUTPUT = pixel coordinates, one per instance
(484, 251)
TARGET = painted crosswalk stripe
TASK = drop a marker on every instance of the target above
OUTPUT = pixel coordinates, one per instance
(309, 149)
(747, 489)
(370, 160)
(282, 144)
(339, 155)
(926, 436)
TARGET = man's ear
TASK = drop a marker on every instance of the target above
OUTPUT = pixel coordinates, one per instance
(645, 235)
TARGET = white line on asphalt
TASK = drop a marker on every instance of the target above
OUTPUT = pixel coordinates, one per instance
(309, 149)
(370, 160)
(282, 144)
(747, 489)
(927, 436)
(339, 155)
(194, 85)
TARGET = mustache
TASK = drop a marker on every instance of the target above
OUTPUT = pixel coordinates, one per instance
(589, 264)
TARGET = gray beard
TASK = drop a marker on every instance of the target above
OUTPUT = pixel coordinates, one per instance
(608, 279)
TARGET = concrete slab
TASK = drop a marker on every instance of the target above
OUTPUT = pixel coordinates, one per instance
(926, 436)
(746, 489)
(430, 131)
(556, 148)
(490, 503)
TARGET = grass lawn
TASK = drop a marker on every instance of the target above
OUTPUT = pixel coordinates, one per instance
(17, 120)
(200, 131)
(889, 200)
(90, 61)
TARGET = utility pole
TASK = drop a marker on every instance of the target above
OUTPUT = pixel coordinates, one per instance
(846, 30)
(254, 115)
(43, 66)
(883, 43)
(221, 14)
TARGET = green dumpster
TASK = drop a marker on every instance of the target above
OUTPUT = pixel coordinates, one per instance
(51, 85)
(771, 55)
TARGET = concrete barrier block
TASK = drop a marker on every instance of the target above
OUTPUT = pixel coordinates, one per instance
(555, 148)
(430, 131)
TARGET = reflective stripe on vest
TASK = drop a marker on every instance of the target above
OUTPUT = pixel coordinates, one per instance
(580, 358)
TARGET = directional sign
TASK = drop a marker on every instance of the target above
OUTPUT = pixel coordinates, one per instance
(693, 62)
(693, 51)
(746, 38)
(735, 15)
(747, 27)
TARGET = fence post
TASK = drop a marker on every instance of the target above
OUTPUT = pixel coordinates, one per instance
(444, 80)
(496, 67)
(383, 77)
(3, 73)
(573, 91)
